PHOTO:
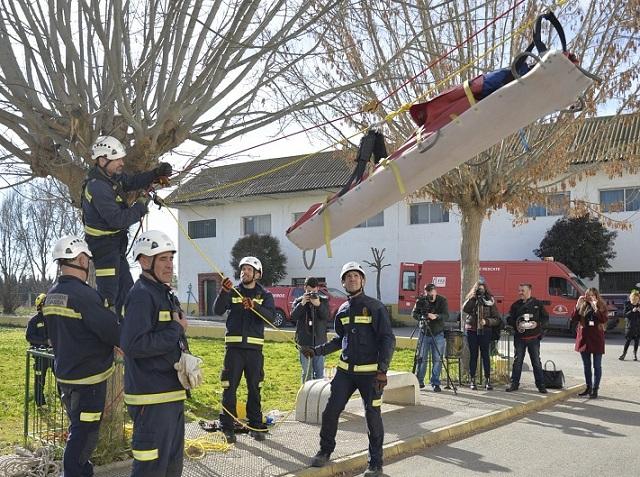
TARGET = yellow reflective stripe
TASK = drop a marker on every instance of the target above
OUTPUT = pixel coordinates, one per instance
(358, 368)
(252, 340)
(233, 339)
(61, 311)
(224, 384)
(236, 299)
(90, 416)
(95, 379)
(164, 316)
(39, 325)
(145, 455)
(468, 92)
(258, 300)
(118, 198)
(344, 320)
(260, 384)
(97, 232)
(38, 373)
(376, 402)
(158, 398)
(362, 319)
(87, 194)
(105, 272)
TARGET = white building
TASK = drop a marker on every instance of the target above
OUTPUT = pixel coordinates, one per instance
(224, 203)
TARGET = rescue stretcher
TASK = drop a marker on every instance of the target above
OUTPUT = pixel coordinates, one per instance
(553, 84)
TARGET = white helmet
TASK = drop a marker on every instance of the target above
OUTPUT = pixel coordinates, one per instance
(350, 267)
(109, 147)
(69, 247)
(253, 261)
(152, 242)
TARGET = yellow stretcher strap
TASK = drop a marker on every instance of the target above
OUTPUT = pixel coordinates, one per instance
(396, 172)
(327, 228)
(468, 92)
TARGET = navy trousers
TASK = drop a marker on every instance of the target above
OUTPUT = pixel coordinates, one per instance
(236, 362)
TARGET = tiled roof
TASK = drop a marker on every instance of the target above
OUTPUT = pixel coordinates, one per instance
(324, 170)
(597, 139)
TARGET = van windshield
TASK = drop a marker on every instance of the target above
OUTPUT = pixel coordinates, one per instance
(580, 283)
(560, 286)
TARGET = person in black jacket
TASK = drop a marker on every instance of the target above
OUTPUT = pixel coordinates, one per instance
(107, 215)
(366, 341)
(482, 315)
(248, 303)
(528, 318)
(83, 333)
(38, 338)
(431, 310)
(631, 324)
(153, 340)
(311, 312)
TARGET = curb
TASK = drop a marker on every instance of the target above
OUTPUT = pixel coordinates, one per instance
(358, 461)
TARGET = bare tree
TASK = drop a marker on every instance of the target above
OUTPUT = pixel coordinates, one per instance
(377, 265)
(409, 51)
(154, 73)
(12, 255)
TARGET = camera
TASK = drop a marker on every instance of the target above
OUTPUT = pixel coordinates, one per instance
(312, 295)
(479, 292)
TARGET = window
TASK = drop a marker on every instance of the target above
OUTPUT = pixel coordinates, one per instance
(409, 281)
(337, 293)
(428, 213)
(202, 228)
(256, 224)
(299, 282)
(620, 200)
(559, 286)
(555, 204)
(375, 221)
(618, 282)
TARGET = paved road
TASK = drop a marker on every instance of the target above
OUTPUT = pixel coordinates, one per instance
(579, 437)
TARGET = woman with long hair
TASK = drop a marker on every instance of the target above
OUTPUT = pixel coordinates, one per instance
(632, 324)
(482, 315)
(590, 316)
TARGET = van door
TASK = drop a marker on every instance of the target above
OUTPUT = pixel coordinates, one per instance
(408, 287)
(562, 296)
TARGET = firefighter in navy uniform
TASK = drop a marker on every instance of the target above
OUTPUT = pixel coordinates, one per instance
(83, 333)
(367, 342)
(155, 346)
(38, 338)
(244, 339)
(107, 215)
(528, 318)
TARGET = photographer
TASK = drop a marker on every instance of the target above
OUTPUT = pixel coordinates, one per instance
(311, 312)
(431, 310)
(482, 315)
(528, 318)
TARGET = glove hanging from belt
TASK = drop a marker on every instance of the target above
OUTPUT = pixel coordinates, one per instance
(189, 371)
(380, 381)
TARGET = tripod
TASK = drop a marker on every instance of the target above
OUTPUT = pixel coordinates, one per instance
(189, 296)
(417, 359)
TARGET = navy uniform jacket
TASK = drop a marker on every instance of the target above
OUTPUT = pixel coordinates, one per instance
(533, 307)
(104, 204)
(152, 343)
(37, 331)
(245, 329)
(364, 334)
(82, 332)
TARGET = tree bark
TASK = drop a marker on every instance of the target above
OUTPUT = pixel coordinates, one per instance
(472, 218)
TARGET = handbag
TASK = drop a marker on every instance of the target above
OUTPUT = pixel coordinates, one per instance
(553, 379)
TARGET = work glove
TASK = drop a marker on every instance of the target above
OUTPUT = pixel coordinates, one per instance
(380, 381)
(189, 371)
(308, 351)
(247, 303)
(164, 169)
(227, 285)
(143, 200)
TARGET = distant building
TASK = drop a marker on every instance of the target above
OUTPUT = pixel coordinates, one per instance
(239, 200)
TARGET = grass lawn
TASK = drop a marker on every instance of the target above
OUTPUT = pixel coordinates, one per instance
(281, 384)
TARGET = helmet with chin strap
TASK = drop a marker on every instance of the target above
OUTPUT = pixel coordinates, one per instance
(40, 300)
(68, 248)
(108, 147)
(151, 244)
(253, 261)
(352, 267)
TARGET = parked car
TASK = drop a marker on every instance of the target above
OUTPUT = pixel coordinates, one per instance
(284, 296)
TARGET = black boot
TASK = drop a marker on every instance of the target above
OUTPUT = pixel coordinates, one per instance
(594, 393)
(586, 392)
(512, 387)
(487, 384)
(635, 356)
(473, 386)
(320, 459)
(622, 356)
(230, 435)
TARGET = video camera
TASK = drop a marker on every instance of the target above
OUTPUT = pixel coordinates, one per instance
(312, 295)
(479, 292)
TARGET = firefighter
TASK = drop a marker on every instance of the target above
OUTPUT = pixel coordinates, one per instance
(364, 335)
(83, 333)
(153, 342)
(38, 338)
(244, 339)
(107, 215)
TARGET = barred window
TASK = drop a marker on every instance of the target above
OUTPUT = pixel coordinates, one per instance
(428, 213)
(202, 228)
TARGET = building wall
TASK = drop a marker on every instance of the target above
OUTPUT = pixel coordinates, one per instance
(402, 242)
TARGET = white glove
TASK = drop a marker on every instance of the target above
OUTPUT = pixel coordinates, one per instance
(189, 371)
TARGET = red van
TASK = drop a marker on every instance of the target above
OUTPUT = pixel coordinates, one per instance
(284, 296)
(553, 284)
